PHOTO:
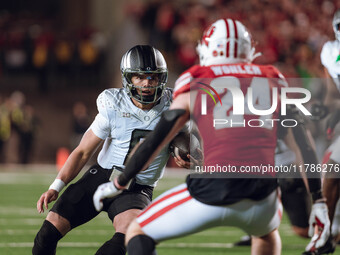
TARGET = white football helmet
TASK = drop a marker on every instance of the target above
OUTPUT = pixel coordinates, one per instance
(226, 41)
(336, 24)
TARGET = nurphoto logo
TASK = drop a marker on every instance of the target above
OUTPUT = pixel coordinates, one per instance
(258, 99)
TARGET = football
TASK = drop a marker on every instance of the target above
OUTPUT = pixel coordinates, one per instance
(185, 143)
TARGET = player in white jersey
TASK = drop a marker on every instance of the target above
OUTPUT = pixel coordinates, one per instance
(125, 116)
(330, 59)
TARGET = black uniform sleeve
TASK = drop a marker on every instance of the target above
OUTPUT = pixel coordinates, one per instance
(307, 151)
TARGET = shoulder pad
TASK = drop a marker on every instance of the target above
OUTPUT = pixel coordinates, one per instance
(107, 101)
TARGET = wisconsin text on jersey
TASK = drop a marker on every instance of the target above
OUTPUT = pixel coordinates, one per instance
(236, 69)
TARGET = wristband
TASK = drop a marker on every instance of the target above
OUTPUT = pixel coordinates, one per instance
(57, 185)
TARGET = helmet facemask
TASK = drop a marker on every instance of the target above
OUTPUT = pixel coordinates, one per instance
(155, 91)
(145, 62)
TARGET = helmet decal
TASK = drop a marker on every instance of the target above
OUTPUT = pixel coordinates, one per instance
(226, 41)
(207, 34)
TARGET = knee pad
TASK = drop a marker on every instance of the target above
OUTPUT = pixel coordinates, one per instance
(45, 242)
(115, 246)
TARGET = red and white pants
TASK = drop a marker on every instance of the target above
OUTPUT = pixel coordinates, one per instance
(175, 213)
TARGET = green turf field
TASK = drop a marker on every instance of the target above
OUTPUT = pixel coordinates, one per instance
(19, 221)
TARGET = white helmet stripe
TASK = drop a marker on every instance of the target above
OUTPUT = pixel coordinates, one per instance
(231, 36)
(128, 61)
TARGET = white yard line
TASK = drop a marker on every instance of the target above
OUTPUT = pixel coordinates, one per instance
(95, 244)
(74, 232)
(163, 245)
(45, 174)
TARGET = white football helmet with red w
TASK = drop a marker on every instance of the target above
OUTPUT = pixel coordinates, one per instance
(226, 41)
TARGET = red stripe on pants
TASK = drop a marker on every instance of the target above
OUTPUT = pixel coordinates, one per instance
(162, 199)
(164, 210)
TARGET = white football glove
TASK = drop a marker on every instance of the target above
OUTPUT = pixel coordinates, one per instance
(318, 218)
(105, 190)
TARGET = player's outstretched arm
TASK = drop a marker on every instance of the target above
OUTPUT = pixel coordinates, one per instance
(75, 162)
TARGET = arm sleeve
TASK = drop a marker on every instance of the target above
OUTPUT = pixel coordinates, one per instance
(308, 153)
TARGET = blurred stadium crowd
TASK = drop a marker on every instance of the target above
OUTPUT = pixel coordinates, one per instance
(18, 123)
(37, 45)
(290, 35)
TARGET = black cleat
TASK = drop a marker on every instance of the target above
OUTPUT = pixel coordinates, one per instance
(245, 241)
